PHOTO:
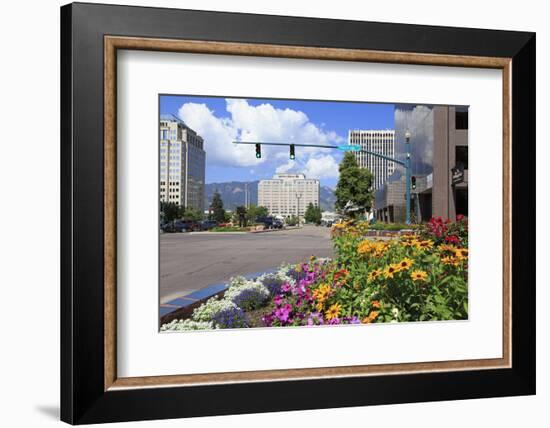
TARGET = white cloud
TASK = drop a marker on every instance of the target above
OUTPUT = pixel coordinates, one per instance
(321, 167)
(257, 123)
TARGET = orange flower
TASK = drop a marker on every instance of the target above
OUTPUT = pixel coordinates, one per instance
(376, 304)
(370, 317)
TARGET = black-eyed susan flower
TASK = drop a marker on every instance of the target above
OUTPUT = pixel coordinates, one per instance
(425, 245)
(333, 311)
(375, 274)
(461, 253)
(419, 275)
(405, 264)
(391, 270)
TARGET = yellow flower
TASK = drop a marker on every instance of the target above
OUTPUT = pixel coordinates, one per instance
(405, 264)
(447, 247)
(322, 293)
(419, 275)
(461, 253)
(364, 247)
(333, 311)
(319, 306)
(390, 271)
(424, 245)
(375, 274)
(409, 241)
(447, 260)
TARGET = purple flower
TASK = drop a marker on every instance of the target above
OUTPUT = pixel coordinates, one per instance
(351, 320)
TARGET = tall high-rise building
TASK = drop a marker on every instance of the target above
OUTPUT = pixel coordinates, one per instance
(438, 148)
(288, 195)
(377, 141)
(182, 164)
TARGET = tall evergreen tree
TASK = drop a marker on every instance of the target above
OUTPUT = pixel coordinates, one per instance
(354, 185)
(313, 214)
(218, 212)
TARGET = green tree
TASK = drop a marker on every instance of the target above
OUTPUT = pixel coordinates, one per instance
(241, 216)
(354, 185)
(170, 211)
(292, 220)
(192, 214)
(218, 213)
(313, 214)
(256, 211)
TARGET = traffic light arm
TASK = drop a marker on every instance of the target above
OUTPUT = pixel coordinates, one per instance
(406, 163)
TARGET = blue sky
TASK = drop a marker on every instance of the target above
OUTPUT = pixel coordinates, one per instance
(221, 120)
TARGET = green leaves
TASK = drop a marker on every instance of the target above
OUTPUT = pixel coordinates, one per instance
(441, 295)
(354, 185)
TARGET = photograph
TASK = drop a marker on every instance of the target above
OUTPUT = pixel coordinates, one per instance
(307, 213)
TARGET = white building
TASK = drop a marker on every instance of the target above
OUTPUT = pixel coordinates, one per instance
(182, 164)
(377, 141)
(288, 195)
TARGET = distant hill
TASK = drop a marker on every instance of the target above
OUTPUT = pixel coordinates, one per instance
(327, 198)
(232, 194)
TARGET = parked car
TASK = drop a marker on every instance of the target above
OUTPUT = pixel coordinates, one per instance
(208, 224)
(270, 222)
(180, 226)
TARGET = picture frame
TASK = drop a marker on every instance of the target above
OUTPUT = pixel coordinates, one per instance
(91, 391)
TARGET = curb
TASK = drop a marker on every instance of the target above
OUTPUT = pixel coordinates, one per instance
(180, 305)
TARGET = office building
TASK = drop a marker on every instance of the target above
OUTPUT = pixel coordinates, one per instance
(287, 195)
(182, 164)
(377, 141)
(439, 164)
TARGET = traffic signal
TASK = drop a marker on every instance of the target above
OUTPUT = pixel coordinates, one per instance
(258, 151)
(413, 182)
(292, 155)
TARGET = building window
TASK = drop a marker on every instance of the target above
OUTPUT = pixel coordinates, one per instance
(461, 156)
(461, 119)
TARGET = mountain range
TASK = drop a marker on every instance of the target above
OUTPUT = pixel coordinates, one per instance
(233, 194)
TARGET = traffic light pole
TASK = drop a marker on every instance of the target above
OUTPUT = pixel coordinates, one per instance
(406, 164)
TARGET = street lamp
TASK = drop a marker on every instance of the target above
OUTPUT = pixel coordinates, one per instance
(298, 196)
(408, 178)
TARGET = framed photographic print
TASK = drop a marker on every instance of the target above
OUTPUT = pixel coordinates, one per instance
(277, 213)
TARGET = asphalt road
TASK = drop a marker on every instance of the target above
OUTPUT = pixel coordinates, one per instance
(191, 261)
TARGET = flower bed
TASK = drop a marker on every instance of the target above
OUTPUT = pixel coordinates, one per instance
(415, 277)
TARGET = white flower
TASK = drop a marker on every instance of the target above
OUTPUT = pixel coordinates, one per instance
(207, 310)
(395, 312)
(181, 325)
